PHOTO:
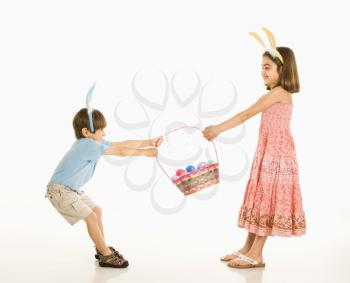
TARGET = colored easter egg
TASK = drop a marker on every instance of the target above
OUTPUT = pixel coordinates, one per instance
(190, 168)
(201, 165)
(180, 172)
(211, 161)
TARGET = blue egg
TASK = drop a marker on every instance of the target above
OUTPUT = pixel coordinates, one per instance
(190, 168)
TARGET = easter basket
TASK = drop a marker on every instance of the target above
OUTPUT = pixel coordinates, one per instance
(196, 179)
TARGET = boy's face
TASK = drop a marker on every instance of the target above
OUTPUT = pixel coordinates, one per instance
(269, 72)
(97, 136)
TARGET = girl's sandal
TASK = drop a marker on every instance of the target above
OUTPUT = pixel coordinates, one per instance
(229, 257)
(251, 263)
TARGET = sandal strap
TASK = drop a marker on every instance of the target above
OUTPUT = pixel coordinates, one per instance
(237, 254)
(248, 259)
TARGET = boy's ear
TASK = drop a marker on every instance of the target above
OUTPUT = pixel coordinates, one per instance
(85, 132)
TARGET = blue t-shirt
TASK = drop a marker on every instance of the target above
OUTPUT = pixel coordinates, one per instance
(78, 164)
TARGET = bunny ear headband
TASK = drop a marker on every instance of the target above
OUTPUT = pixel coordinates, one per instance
(89, 106)
(273, 50)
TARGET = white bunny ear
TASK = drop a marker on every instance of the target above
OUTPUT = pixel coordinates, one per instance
(89, 106)
(273, 50)
(89, 96)
(258, 39)
(270, 37)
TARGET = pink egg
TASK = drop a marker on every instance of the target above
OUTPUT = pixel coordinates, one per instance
(180, 172)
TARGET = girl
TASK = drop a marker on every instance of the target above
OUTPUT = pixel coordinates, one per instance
(272, 204)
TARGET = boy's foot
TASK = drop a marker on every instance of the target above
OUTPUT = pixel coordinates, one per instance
(97, 255)
(112, 260)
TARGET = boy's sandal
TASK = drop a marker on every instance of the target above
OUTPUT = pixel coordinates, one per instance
(229, 257)
(112, 260)
(251, 263)
(97, 255)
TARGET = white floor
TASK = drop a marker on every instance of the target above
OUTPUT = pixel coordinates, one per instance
(156, 265)
(180, 248)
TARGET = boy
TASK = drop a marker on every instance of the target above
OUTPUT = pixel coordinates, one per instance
(78, 166)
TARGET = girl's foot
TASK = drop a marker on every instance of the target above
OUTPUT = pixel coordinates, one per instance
(247, 261)
(234, 255)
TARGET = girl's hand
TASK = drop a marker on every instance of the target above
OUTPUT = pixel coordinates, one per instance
(156, 142)
(210, 132)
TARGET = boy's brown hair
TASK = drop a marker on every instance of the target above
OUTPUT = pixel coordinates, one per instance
(288, 72)
(81, 121)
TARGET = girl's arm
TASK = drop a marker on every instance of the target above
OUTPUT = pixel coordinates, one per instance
(260, 105)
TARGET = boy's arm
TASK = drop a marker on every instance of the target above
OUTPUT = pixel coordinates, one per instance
(133, 143)
(155, 142)
(117, 150)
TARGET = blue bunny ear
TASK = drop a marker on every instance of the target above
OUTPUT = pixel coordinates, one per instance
(89, 106)
(89, 95)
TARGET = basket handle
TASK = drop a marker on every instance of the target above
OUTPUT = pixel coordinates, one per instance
(194, 127)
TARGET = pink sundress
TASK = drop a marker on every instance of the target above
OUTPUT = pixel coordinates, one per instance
(272, 203)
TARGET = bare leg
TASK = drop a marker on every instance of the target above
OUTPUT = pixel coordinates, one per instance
(255, 251)
(98, 212)
(248, 244)
(96, 234)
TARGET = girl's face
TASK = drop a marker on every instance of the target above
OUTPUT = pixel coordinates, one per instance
(269, 72)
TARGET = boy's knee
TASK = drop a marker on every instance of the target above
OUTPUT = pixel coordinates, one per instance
(97, 210)
(91, 218)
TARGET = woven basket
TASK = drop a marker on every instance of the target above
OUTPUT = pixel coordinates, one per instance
(198, 179)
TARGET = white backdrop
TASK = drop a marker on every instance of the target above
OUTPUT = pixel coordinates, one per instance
(51, 53)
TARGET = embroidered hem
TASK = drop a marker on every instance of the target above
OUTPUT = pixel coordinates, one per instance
(271, 225)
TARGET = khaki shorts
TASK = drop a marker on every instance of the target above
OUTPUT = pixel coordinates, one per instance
(72, 205)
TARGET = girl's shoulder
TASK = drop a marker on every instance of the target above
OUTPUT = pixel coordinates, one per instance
(282, 95)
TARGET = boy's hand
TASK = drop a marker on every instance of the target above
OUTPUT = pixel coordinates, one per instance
(210, 132)
(156, 142)
(152, 152)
